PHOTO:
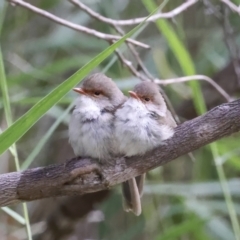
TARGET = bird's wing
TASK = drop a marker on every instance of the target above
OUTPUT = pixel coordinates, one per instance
(171, 120)
(166, 120)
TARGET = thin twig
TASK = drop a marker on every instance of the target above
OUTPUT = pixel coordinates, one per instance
(130, 66)
(77, 27)
(135, 54)
(135, 21)
(196, 77)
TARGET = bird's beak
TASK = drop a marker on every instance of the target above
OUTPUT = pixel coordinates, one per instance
(79, 90)
(133, 95)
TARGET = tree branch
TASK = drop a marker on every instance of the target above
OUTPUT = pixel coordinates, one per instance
(80, 176)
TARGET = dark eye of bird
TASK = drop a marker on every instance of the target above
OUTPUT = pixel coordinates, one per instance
(147, 99)
(96, 93)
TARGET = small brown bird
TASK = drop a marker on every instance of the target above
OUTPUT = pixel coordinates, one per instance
(91, 125)
(142, 123)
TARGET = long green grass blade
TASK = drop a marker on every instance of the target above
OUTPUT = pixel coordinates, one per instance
(8, 115)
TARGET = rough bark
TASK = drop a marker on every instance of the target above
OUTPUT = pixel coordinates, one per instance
(80, 176)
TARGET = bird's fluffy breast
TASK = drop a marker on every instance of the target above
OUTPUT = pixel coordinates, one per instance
(136, 131)
(90, 130)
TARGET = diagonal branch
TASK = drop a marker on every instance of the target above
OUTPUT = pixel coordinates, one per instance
(80, 176)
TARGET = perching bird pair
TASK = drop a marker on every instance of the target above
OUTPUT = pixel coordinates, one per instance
(106, 124)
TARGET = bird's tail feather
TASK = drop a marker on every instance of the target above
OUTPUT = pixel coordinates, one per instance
(132, 191)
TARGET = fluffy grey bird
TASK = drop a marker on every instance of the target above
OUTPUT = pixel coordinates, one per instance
(142, 123)
(91, 124)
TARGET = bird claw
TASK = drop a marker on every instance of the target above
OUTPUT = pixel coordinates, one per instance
(105, 182)
(78, 172)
